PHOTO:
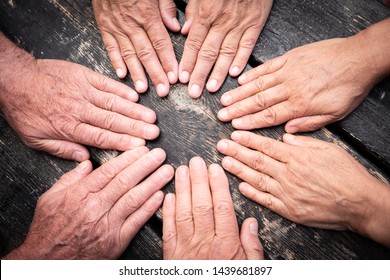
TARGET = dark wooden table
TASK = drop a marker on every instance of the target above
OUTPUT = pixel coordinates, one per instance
(66, 29)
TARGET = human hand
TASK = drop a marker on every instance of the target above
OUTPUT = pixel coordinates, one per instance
(221, 34)
(308, 87)
(307, 181)
(135, 37)
(200, 222)
(54, 105)
(95, 215)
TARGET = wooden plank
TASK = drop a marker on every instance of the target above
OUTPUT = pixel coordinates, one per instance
(298, 22)
(65, 30)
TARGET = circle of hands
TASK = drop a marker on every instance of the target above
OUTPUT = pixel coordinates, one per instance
(59, 106)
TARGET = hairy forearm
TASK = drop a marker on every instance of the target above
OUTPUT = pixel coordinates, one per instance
(12, 60)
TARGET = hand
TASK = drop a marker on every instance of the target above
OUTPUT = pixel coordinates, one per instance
(135, 36)
(223, 33)
(95, 215)
(309, 87)
(200, 223)
(310, 182)
(53, 105)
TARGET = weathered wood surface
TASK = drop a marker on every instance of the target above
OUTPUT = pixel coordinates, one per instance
(66, 30)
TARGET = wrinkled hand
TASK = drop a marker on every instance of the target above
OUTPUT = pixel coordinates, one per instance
(95, 215)
(305, 180)
(221, 34)
(135, 37)
(308, 87)
(200, 222)
(53, 105)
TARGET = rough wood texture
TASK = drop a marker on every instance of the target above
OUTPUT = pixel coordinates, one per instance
(67, 30)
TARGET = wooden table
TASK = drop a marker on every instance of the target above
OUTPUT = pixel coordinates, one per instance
(66, 29)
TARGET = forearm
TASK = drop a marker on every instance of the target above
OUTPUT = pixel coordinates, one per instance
(374, 44)
(12, 60)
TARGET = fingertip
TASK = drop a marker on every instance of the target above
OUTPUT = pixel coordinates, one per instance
(242, 79)
(141, 86)
(212, 85)
(289, 138)
(226, 99)
(121, 73)
(80, 155)
(84, 167)
(234, 71)
(195, 91)
(162, 90)
(184, 77)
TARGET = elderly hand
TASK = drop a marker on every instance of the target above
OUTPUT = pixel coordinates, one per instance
(135, 36)
(200, 222)
(310, 86)
(55, 106)
(221, 34)
(310, 182)
(95, 215)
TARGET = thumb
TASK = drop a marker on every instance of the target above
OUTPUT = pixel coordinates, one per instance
(301, 141)
(311, 123)
(64, 149)
(250, 240)
(168, 14)
(190, 14)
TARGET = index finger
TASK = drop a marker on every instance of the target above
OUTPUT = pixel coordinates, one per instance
(224, 215)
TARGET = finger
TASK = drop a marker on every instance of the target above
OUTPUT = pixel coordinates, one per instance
(114, 122)
(122, 106)
(131, 176)
(137, 196)
(63, 149)
(192, 47)
(271, 116)
(268, 146)
(104, 139)
(262, 83)
(146, 49)
(168, 14)
(302, 141)
(261, 181)
(253, 104)
(114, 53)
(184, 219)
(162, 44)
(190, 13)
(107, 172)
(245, 48)
(254, 159)
(169, 226)
(134, 65)
(224, 216)
(310, 123)
(202, 205)
(137, 219)
(72, 177)
(206, 58)
(263, 198)
(250, 240)
(266, 68)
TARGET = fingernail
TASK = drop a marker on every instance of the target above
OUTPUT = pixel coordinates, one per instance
(182, 171)
(184, 77)
(243, 187)
(227, 163)
(149, 116)
(235, 71)
(119, 72)
(78, 156)
(236, 122)
(141, 151)
(242, 79)
(82, 167)
(288, 138)
(184, 26)
(175, 23)
(254, 227)
(133, 96)
(169, 198)
(171, 77)
(226, 99)
(222, 115)
(158, 155)
(222, 146)
(140, 86)
(161, 90)
(158, 196)
(197, 163)
(137, 142)
(236, 136)
(166, 171)
(150, 132)
(212, 85)
(195, 91)
(215, 169)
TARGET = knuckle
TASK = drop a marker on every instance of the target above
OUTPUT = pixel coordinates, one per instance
(270, 116)
(223, 208)
(128, 53)
(145, 54)
(228, 51)
(257, 161)
(99, 139)
(259, 84)
(260, 101)
(185, 217)
(209, 55)
(261, 182)
(203, 209)
(107, 171)
(248, 43)
(160, 44)
(168, 236)
(194, 44)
